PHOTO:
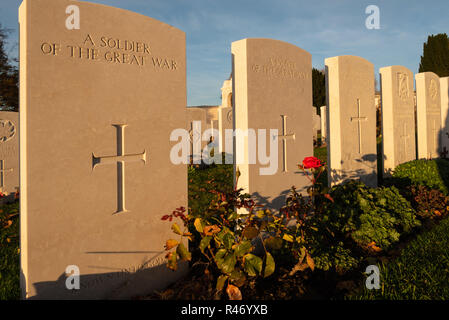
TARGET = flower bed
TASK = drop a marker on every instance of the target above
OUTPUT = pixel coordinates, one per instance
(324, 254)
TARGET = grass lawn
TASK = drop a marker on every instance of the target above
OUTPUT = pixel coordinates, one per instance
(421, 272)
(9, 252)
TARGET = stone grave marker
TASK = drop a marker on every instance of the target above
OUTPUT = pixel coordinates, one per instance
(323, 124)
(398, 117)
(428, 115)
(196, 124)
(102, 89)
(272, 85)
(444, 91)
(225, 120)
(352, 152)
(316, 124)
(9, 153)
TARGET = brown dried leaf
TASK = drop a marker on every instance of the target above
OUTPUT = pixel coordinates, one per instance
(171, 243)
(211, 230)
(8, 224)
(233, 292)
(310, 262)
(298, 267)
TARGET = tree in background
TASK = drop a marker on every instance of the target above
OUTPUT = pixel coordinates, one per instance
(9, 78)
(319, 88)
(435, 56)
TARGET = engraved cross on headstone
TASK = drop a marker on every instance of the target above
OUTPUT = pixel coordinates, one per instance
(405, 136)
(284, 138)
(359, 119)
(3, 172)
(120, 160)
(434, 139)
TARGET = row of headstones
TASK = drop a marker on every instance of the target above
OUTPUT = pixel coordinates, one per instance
(352, 136)
(97, 136)
(412, 127)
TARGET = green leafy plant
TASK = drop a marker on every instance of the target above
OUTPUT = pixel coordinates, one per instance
(362, 221)
(433, 174)
(225, 240)
(292, 230)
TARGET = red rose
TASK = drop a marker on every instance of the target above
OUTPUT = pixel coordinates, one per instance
(311, 162)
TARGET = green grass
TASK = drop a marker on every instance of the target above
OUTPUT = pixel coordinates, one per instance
(421, 272)
(9, 252)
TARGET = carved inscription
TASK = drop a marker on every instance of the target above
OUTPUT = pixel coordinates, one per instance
(121, 274)
(284, 136)
(7, 130)
(119, 160)
(229, 116)
(110, 50)
(433, 91)
(8, 151)
(279, 68)
(403, 89)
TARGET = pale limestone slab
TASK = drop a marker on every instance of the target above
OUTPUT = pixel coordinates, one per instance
(272, 84)
(323, 124)
(398, 117)
(444, 90)
(96, 175)
(225, 122)
(200, 121)
(428, 115)
(352, 152)
(316, 124)
(9, 152)
(225, 118)
(195, 125)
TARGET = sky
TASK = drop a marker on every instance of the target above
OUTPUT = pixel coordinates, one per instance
(325, 28)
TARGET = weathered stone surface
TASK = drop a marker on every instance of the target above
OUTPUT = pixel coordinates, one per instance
(97, 107)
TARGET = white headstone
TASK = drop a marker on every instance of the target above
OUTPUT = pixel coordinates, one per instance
(398, 117)
(98, 105)
(272, 91)
(352, 150)
(444, 90)
(428, 115)
(323, 124)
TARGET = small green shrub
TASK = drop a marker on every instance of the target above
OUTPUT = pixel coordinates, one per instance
(335, 255)
(433, 174)
(362, 221)
(202, 181)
